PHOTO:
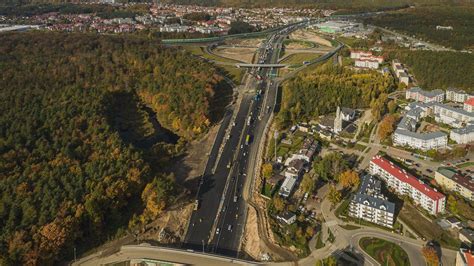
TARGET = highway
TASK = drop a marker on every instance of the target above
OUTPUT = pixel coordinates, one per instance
(218, 223)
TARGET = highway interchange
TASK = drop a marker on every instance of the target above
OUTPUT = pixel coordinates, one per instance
(217, 225)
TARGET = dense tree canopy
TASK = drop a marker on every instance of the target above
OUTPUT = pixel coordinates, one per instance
(320, 91)
(67, 176)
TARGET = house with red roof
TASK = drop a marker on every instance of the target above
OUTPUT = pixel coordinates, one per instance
(469, 105)
(465, 257)
(404, 183)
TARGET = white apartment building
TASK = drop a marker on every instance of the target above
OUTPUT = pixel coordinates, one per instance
(371, 205)
(463, 135)
(452, 116)
(287, 187)
(456, 95)
(420, 95)
(406, 184)
(367, 63)
(422, 141)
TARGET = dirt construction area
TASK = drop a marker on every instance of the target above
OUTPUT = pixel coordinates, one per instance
(309, 35)
(239, 54)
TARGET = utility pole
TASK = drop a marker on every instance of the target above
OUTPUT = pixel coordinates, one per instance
(74, 254)
(202, 245)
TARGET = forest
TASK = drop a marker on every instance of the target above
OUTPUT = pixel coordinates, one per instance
(319, 91)
(422, 22)
(439, 70)
(80, 154)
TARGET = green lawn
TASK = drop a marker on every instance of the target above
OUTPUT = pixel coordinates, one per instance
(299, 58)
(429, 230)
(349, 227)
(232, 72)
(343, 208)
(466, 164)
(385, 252)
(360, 147)
(306, 44)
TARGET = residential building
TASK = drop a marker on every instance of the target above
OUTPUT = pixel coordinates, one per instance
(371, 205)
(287, 187)
(404, 78)
(360, 54)
(295, 168)
(287, 217)
(469, 105)
(463, 135)
(455, 117)
(465, 257)
(367, 63)
(456, 95)
(451, 180)
(420, 95)
(422, 141)
(365, 59)
(348, 114)
(398, 68)
(404, 183)
(466, 236)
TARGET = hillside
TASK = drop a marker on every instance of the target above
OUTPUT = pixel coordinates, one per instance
(80, 150)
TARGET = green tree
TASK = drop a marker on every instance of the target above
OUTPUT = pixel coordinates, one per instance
(334, 195)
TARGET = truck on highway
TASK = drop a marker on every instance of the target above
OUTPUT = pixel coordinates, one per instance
(249, 120)
(196, 205)
(247, 140)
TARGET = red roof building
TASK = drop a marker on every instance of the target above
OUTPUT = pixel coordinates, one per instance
(469, 105)
(406, 184)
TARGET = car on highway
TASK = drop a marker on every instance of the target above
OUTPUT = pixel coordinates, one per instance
(217, 231)
(229, 164)
(229, 227)
(235, 198)
(196, 205)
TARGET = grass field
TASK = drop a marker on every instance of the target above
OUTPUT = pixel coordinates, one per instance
(465, 165)
(299, 58)
(232, 72)
(429, 230)
(302, 43)
(385, 252)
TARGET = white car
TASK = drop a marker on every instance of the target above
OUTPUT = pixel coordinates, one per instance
(217, 231)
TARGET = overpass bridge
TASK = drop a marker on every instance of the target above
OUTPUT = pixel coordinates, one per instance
(239, 65)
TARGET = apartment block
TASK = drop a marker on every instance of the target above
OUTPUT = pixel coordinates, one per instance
(371, 205)
(404, 183)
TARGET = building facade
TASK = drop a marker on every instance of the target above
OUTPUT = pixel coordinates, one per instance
(422, 141)
(404, 183)
(456, 95)
(371, 205)
(451, 180)
(463, 135)
(420, 95)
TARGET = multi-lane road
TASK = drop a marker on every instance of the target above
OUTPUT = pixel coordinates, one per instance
(218, 223)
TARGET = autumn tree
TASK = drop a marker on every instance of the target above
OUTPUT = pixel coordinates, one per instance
(267, 170)
(307, 184)
(386, 126)
(452, 204)
(279, 204)
(334, 195)
(430, 255)
(349, 178)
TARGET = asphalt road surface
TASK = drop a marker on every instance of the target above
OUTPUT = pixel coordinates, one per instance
(217, 225)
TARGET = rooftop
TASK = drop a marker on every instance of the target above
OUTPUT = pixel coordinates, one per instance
(406, 177)
(425, 93)
(462, 180)
(470, 102)
(421, 136)
(369, 194)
